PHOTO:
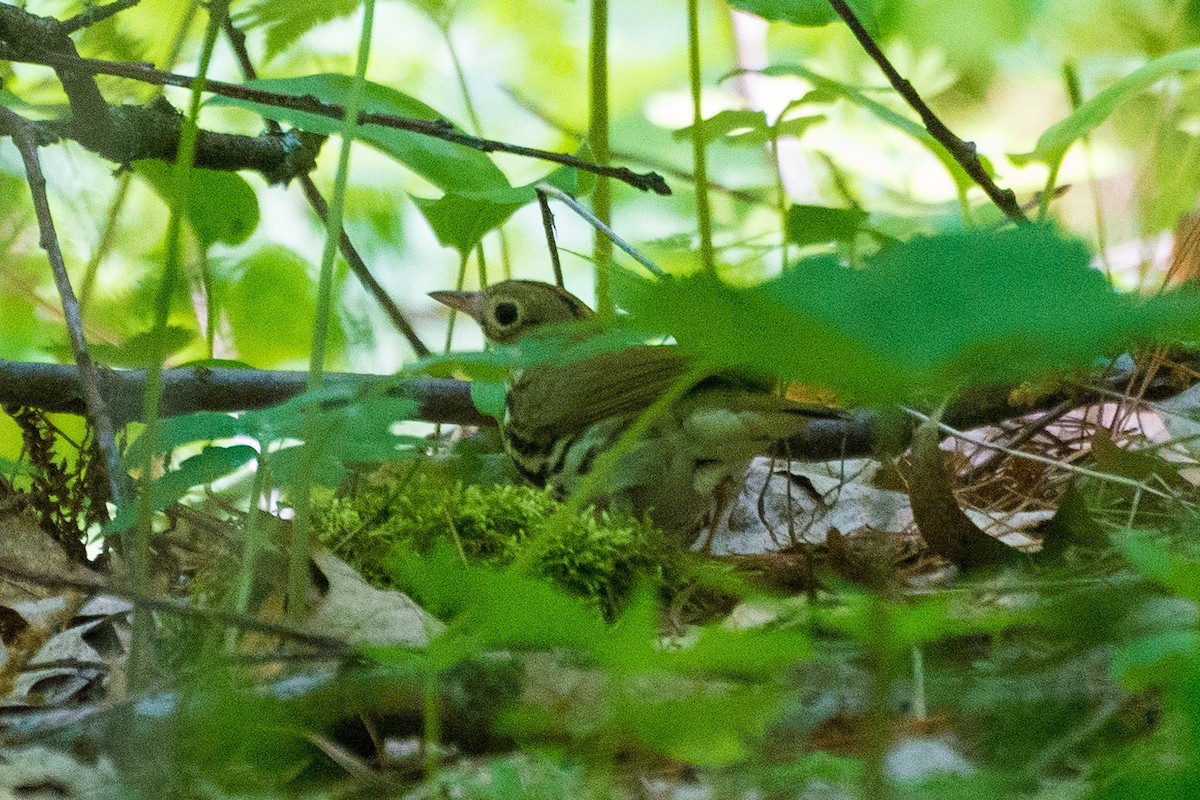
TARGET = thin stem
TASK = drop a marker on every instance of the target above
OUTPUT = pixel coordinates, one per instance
(181, 181)
(107, 237)
(1075, 95)
(600, 227)
(26, 141)
(699, 160)
(438, 129)
(598, 136)
(551, 244)
(302, 501)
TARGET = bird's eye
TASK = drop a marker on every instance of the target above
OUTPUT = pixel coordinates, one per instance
(506, 313)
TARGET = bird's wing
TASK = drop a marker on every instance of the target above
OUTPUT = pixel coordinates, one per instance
(564, 399)
(561, 400)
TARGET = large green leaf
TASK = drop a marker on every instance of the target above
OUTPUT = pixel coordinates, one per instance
(221, 206)
(451, 167)
(269, 298)
(924, 318)
(477, 196)
(1054, 142)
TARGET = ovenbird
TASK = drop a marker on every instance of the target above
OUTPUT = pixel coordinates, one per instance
(560, 417)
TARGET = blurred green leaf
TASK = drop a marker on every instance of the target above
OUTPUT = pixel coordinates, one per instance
(1053, 144)
(221, 206)
(286, 22)
(1154, 559)
(139, 349)
(721, 124)
(808, 13)
(269, 298)
(212, 463)
(172, 432)
(924, 318)
(816, 224)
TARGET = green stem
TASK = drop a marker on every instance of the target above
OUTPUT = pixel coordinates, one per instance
(598, 139)
(1048, 189)
(139, 552)
(700, 165)
(781, 191)
(302, 501)
(477, 129)
(879, 655)
(108, 235)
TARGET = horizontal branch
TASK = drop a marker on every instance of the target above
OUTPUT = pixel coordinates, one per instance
(153, 131)
(438, 129)
(54, 387)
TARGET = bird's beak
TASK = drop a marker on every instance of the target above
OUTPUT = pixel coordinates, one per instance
(470, 303)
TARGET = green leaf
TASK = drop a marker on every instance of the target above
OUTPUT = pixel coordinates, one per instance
(212, 463)
(897, 120)
(201, 426)
(139, 349)
(287, 22)
(1153, 559)
(489, 397)
(922, 320)
(757, 137)
(1058, 138)
(808, 13)
(221, 206)
(270, 300)
(451, 167)
(815, 224)
(723, 123)
(544, 618)
(460, 222)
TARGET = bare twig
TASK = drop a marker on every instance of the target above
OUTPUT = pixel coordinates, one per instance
(963, 152)
(600, 226)
(55, 387)
(317, 201)
(438, 129)
(25, 138)
(551, 244)
(95, 15)
(126, 133)
(334, 646)
(628, 155)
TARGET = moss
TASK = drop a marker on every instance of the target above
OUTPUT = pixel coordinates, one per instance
(599, 557)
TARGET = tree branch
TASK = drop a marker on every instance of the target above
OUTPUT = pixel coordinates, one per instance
(25, 138)
(54, 387)
(963, 152)
(438, 129)
(317, 201)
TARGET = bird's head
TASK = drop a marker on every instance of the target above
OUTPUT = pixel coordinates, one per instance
(510, 309)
